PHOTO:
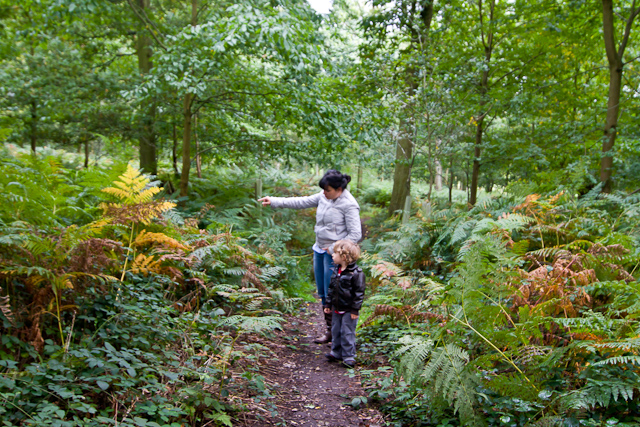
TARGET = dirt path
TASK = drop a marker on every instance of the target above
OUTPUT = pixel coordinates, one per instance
(307, 390)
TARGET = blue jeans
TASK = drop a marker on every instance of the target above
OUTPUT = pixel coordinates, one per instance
(322, 269)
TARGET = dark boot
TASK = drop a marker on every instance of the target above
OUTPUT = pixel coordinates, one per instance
(326, 338)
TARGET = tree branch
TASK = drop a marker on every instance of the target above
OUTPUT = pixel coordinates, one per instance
(631, 60)
(608, 31)
(627, 29)
(481, 23)
(146, 24)
(110, 61)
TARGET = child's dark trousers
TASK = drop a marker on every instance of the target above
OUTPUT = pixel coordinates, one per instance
(343, 332)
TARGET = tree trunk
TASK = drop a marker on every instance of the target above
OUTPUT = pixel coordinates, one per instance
(147, 138)
(404, 147)
(451, 181)
(33, 126)
(475, 172)
(402, 171)
(174, 151)
(438, 175)
(189, 99)
(186, 145)
(484, 89)
(610, 129)
(86, 152)
(430, 168)
(614, 58)
(195, 138)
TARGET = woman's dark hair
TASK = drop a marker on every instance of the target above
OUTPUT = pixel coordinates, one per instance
(334, 179)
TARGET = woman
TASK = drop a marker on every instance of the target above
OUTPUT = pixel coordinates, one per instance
(337, 218)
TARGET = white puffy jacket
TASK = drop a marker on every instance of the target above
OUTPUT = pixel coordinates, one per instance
(336, 219)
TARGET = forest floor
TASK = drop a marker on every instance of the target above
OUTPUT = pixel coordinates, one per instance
(304, 388)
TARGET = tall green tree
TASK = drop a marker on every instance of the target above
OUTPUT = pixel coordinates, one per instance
(55, 88)
(242, 69)
(401, 27)
(615, 53)
(144, 52)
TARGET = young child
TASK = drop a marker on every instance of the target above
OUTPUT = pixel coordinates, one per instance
(345, 296)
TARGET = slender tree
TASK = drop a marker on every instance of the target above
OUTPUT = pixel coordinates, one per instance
(487, 39)
(615, 53)
(404, 26)
(144, 52)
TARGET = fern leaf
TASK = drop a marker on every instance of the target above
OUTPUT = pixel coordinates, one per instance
(246, 324)
(5, 308)
(446, 371)
(632, 344)
(514, 221)
(173, 216)
(162, 239)
(40, 272)
(256, 303)
(461, 231)
(414, 352)
(271, 272)
(236, 271)
(145, 265)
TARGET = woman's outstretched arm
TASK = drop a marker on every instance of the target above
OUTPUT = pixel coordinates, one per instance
(292, 202)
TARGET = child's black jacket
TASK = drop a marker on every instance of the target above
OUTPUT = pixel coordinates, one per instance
(346, 292)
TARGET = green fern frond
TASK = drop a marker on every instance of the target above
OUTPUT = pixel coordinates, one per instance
(249, 290)
(619, 360)
(515, 222)
(223, 288)
(29, 271)
(173, 216)
(236, 271)
(591, 321)
(484, 206)
(520, 247)
(513, 384)
(615, 198)
(632, 344)
(271, 272)
(206, 251)
(599, 393)
(39, 246)
(462, 230)
(484, 226)
(414, 353)
(446, 371)
(246, 324)
(14, 234)
(197, 274)
(12, 239)
(548, 421)
(547, 253)
(256, 303)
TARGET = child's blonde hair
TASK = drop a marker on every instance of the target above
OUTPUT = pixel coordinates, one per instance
(349, 251)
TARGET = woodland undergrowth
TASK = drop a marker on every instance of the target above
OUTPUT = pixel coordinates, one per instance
(116, 308)
(518, 312)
